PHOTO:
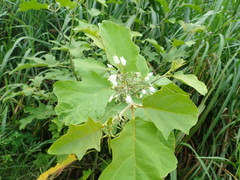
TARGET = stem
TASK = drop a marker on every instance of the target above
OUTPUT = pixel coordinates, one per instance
(132, 109)
(73, 68)
(138, 105)
(94, 165)
(58, 23)
(165, 75)
(124, 110)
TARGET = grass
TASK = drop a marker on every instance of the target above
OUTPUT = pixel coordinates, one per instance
(210, 151)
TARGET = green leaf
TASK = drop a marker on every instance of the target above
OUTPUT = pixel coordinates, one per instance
(114, 2)
(164, 5)
(175, 88)
(32, 4)
(169, 110)
(142, 66)
(171, 20)
(86, 174)
(176, 64)
(79, 100)
(91, 31)
(169, 84)
(76, 48)
(103, 2)
(78, 139)
(117, 41)
(193, 6)
(112, 110)
(191, 80)
(41, 112)
(37, 81)
(140, 153)
(67, 3)
(176, 42)
(49, 61)
(155, 43)
(190, 27)
(160, 81)
(94, 12)
(87, 28)
(59, 74)
(135, 34)
(85, 66)
(174, 54)
(190, 43)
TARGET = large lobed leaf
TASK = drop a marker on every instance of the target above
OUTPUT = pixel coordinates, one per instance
(79, 139)
(170, 109)
(117, 41)
(140, 153)
(79, 100)
(84, 66)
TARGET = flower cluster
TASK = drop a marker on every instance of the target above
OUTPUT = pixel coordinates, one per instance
(128, 85)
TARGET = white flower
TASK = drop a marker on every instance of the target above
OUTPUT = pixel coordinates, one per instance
(128, 99)
(116, 60)
(144, 91)
(152, 89)
(113, 79)
(123, 61)
(138, 74)
(148, 76)
(111, 98)
(109, 65)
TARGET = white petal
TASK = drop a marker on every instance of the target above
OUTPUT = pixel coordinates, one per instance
(152, 89)
(116, 60)
(138, 74)
(111, 98)
(113, 79)
(109, 65)
(144, 91)
(128, 99)
(146, 78)
(123, 61)
(114, 83)
(150, 74)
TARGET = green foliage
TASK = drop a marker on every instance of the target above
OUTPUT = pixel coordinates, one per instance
(197, 37)
(32, 4)
(79, 139)
(140, 140)
(67, 3)
(85, 67)
(79, 100)
(117, 42)
(49, 61)
(192, 81)
(41, 112)
(169, 110)
(164, 4)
